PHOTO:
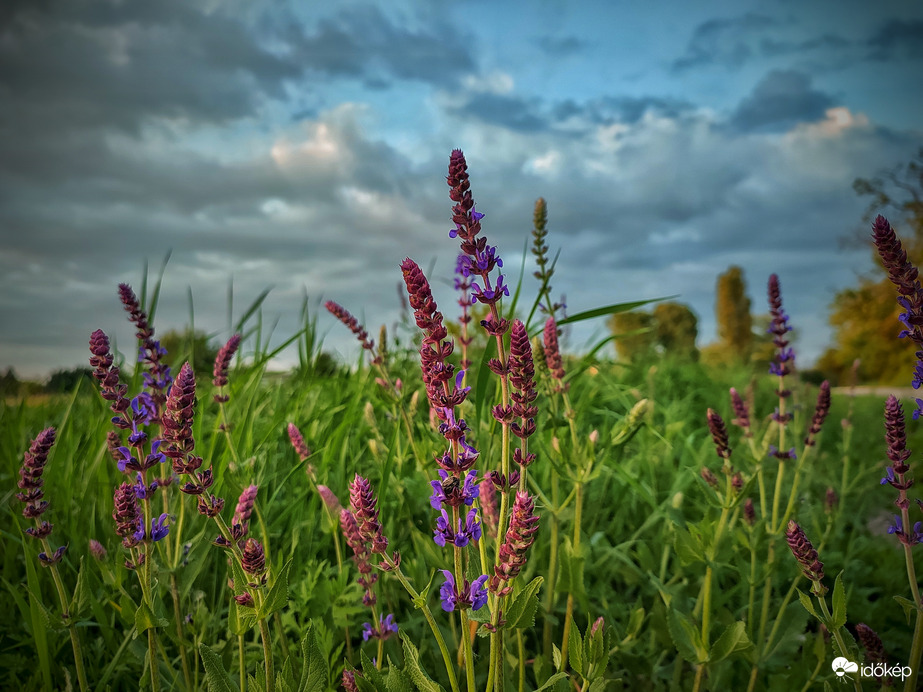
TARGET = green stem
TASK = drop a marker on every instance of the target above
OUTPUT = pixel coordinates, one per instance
(838, 637)
(552, 568)
(242, 663)
(522, 661)
(178, 617)
(267, 655)
(916, 649)
(569, 612)
(66, 616)
(428, 614)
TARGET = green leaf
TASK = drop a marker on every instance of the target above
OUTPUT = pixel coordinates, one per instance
(397, 680)
(145, 619)
(412, 665)
(808, 605)
(314, 673)
(278, 594)
(284, 678)
(907, 605)
(575, 649)
(609, 310)
(521, 612)
(371, 673)
(688, 549)
(550, 682)
(556, 656)
(732, 640)
(686, 637)
(80, 596)
(216, 677)
(839, 603)
(241, 619)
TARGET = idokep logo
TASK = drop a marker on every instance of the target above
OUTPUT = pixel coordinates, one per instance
(843, 666)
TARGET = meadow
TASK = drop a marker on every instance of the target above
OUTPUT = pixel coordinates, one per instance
(631, 527)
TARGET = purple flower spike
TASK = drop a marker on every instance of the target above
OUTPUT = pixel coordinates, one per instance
(223, 364)
(30, 475)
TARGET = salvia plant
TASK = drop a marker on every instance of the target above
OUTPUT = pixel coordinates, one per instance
(477, 511)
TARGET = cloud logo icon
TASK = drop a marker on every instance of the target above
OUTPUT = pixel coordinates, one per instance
(841, 666)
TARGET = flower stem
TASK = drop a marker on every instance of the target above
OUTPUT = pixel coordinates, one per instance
(66, 616)
(267, 655)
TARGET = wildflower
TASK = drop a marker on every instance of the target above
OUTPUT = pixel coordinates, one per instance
(552, 352)
(830, 500)
(241, 520)
(470, 531)
(871, 642)
(55, 558)
(97, 550)
(294, 434)
(519, 538)
(253, 559)
(896, 438)
(158, 379)
(806, 556)
(352, 324)
(820, 413)
(906, 537)
(386, 628)
(222, 363)
(349, 681)
(471, 595)
(244, 599)
(709, 477)
(177, 418)
(31, 481)
(362, 501)
(488, 504)
(522, 374)
(453, 492)
(719, 434)
(159, 529)
(127, 514)
(782, 455)
(331, 502)
(107, 375)
(425, 311)
(779, 327)
(361, 555)
(749, 512)
(741, 413)
(904, 276)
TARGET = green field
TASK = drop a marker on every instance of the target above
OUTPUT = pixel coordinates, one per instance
(646, 539)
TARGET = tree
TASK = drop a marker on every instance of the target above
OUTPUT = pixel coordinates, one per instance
(62, 381)
(192, 346)
(732, 313)
(670, 330)
(676, 330)
(865, 319)
(631, 346)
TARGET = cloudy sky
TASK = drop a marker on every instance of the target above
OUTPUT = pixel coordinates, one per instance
(303, 147)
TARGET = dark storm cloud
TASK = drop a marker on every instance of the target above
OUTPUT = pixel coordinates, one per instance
(626, 109)
(897, 40)
(364, 41)
(505, 110)
(735, 41)
(726, 42)
(780, 100)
